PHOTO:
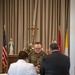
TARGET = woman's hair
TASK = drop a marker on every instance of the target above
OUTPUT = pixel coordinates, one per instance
(22, 55)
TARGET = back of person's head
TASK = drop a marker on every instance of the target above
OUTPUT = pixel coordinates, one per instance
(54, 46)
(22, 55)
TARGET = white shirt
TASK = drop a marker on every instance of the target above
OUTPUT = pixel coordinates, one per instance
(21, 67)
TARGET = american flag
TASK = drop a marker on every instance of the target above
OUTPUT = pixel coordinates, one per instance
(4, 52)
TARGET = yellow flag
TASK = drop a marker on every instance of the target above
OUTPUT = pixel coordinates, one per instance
(66, 44)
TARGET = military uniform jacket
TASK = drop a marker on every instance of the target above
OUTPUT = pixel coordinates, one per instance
(36, 58)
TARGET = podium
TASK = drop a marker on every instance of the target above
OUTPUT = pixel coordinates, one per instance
(12, 59)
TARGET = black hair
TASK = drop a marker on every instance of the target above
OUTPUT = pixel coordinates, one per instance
(54, 46)
(22, 55)
(37, 43)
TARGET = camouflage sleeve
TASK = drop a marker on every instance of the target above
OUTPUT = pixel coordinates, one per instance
(44, 53)
(29, 57)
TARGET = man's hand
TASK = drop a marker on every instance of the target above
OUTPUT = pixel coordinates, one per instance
(37, 68)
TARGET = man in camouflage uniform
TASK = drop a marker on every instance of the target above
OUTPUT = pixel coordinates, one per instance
(36, 55)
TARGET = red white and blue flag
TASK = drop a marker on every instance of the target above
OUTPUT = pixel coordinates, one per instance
(4, 51)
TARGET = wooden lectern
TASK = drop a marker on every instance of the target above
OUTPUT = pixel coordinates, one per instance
(11, 59)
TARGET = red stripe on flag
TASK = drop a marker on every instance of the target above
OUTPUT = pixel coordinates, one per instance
(59, 41)
(4, 56)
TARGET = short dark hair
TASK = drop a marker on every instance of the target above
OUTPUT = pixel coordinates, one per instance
(22, 55)
(54, 46)
(37, 43)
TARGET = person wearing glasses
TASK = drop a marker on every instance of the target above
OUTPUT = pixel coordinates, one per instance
(36, 56)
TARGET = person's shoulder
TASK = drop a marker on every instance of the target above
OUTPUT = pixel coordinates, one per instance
(42, 52)
(30, 64)
(47, 57)
(65, 56)
(12, 64)
(32, 52)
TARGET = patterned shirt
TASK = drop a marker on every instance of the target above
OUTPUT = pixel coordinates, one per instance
(36, 58)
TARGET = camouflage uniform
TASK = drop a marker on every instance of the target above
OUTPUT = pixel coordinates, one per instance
(36, 58)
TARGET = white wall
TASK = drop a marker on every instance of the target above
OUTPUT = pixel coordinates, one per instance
(72, 36)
